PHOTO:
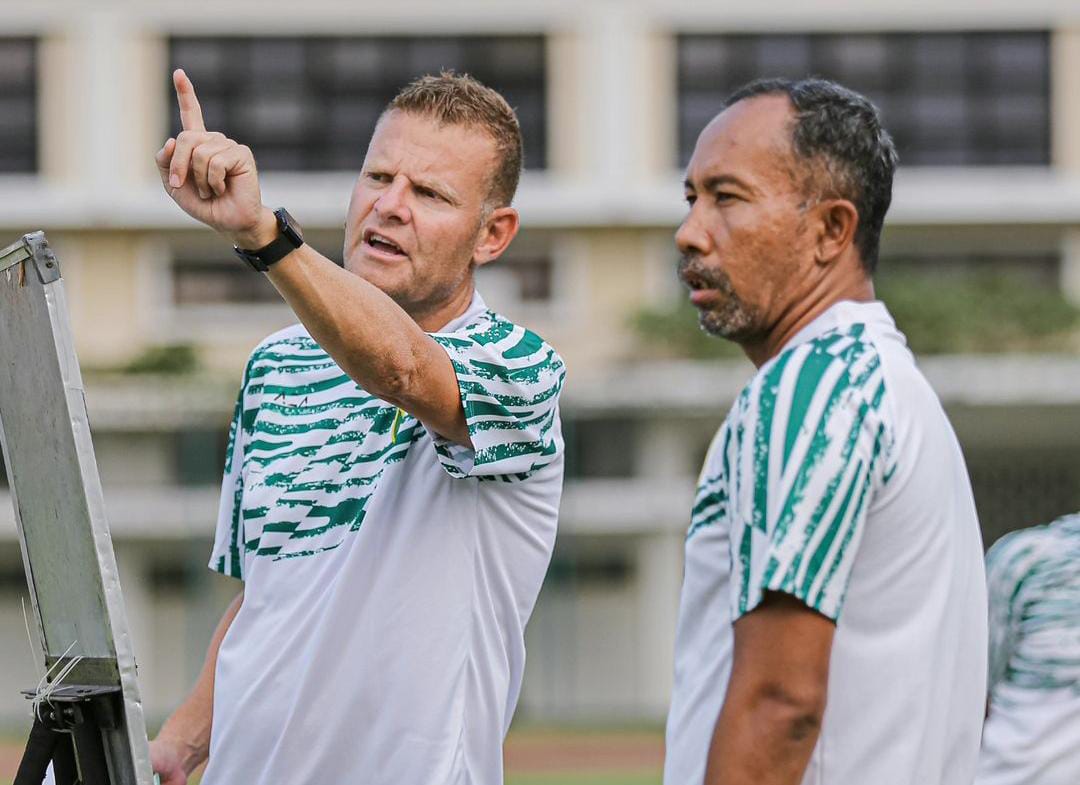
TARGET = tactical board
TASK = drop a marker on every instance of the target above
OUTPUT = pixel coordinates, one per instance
(59, 511)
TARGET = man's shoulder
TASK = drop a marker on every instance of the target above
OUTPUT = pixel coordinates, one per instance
(847, 346)
(501, 340)
(842, 364)
(1024, 547)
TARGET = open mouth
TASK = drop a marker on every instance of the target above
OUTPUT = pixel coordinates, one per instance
(383, 244)
(694, 282)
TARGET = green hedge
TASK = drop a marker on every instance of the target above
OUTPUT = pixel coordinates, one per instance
(976, 312)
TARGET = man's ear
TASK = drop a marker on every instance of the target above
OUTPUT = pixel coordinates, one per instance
(495, 235)
(837, 221)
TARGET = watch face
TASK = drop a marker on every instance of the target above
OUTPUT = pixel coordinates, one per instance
(288, 227)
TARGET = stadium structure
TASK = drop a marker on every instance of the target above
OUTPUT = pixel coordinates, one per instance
(982, 97)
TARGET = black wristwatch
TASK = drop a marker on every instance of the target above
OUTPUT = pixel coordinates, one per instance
(288, 240)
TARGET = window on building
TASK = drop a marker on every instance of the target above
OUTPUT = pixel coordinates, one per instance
(213, 281)
(18, 105)
(949, 99)
(600, 447)
(517, 279)
(310, 104)
(207, 275)
(200, 455)
(579, 562)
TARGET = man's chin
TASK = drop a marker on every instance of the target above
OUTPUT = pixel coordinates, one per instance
(738, 327)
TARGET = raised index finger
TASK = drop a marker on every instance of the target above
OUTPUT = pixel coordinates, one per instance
(191, 118)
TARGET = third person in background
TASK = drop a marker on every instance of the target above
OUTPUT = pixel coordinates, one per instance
(832, 627)
(1032, 731)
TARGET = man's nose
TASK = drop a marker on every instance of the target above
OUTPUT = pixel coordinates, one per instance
(393, 201)
(691, 237)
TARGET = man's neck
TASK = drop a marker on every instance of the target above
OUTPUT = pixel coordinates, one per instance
(801, 313)
(435, 318)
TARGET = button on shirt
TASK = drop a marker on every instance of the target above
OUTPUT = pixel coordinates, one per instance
(836, 478)
(388, 573)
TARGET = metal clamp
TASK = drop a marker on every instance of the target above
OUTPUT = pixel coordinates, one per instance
(35, 248)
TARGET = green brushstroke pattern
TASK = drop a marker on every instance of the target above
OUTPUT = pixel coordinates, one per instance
(308, 447)
(793, 469)
(1034, 590)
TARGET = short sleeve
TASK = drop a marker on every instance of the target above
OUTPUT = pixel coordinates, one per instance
(817, 451)
(227, 556)
(509, 380)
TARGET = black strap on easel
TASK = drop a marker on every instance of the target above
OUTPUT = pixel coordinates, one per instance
(47, 746)
(67, 733)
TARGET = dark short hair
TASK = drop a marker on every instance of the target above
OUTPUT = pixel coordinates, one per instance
(459, 99)
(838, 134)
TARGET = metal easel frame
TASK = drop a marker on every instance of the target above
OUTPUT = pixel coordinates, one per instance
(91, 725)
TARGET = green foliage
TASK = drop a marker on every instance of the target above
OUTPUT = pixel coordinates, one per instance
(979, 312)
(674, 332)
(173, 359)
(975, 312)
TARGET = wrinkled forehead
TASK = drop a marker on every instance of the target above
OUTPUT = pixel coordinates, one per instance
(415, 143)
(750, 140)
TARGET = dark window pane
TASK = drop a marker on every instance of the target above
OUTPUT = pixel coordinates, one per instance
(200, 456)
(18, 105)
(205, 282)
(971, 99)
(310, 104)
(600, 447)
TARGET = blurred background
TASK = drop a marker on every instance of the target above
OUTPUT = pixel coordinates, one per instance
(980, 265)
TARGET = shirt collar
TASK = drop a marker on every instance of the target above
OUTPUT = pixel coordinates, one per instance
(476, 307)
(842, 314)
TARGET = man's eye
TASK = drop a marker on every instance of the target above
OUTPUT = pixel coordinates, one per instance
(379, 177)
(724, 196)
(427, 193)
(690, 199)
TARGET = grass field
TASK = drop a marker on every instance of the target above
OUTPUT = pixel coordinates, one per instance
(616, 778)
(533, 755)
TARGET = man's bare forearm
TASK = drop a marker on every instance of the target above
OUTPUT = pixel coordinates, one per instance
(367, 333)
(188, 729)
(372, 339)
(762, 741)
(775, 698)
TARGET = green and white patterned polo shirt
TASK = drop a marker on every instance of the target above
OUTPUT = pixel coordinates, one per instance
(1032, 732)
(836, 478)
(388, 573)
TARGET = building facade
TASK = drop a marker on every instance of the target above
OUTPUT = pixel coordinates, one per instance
(984, 102)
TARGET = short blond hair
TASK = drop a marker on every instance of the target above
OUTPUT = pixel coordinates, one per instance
(459, 99)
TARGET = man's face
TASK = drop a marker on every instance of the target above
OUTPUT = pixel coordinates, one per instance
(745, 249)
(417, 209)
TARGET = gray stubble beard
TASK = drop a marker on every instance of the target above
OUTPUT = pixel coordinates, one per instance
(734, 319)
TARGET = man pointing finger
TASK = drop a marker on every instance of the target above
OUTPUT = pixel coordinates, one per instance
(394, 466)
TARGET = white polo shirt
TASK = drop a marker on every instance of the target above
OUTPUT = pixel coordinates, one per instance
(837, 478)
(388, 575)
(1032, 733)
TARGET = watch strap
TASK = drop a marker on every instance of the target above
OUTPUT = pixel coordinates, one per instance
(287, 241)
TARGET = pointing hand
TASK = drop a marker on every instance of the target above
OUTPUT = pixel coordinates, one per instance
(212, 177)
